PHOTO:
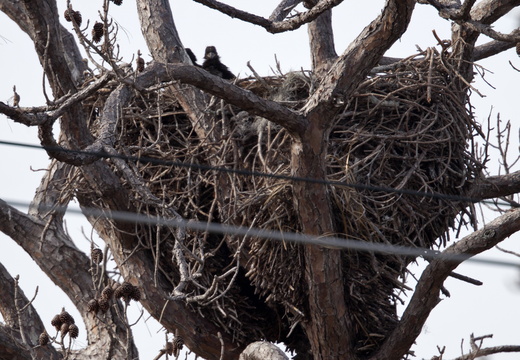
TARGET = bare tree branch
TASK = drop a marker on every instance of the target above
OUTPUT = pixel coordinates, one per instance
(235, 95)
(489, 11)
(496, 186)
(513, 37)
(426, 295)
(283, 9)
(273, 26)
(489, 351)
(491, 48)
(321, 40)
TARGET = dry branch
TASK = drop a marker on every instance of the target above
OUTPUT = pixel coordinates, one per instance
(496, 186)
(270, 25)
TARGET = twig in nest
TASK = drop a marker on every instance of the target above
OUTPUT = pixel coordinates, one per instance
(258, 77)
(221, 345)
(431, 54)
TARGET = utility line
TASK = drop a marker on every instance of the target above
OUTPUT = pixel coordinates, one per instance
(356, 186)
(325, 241)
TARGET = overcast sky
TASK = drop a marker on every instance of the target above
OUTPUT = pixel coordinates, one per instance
(488, 309)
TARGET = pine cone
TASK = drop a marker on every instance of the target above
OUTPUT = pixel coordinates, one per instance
(56, 322)
(169, 348)
(135, 294)
(96, 255)
(97, 32)
(178, 342)
(107, 292)
(43, 339)
(126, 291)
(67, 15)
(73, 331)
(64, 329)
(118, 2)
(77, 17)
(140, 64)
(118, 292)
(66, 318)
(104, 305)
(127, 288)
(93, 306)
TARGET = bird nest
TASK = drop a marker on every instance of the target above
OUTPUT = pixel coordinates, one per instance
(407, 127)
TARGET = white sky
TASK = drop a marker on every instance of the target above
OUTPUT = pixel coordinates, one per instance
(489, 309)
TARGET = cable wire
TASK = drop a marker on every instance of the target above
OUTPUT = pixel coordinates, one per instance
(325, 241)
(356, 186)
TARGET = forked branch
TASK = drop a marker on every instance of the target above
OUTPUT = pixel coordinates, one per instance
(273, 26)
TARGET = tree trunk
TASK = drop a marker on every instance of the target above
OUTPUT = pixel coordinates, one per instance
(329, 329)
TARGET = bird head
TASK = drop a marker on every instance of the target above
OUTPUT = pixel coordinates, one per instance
(211, 53)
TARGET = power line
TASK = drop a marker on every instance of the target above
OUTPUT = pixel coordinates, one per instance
(325, 241)
(356, 186)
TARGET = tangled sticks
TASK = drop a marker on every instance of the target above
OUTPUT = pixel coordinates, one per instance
(407, 127)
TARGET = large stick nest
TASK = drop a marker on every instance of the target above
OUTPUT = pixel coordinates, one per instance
(407, 127)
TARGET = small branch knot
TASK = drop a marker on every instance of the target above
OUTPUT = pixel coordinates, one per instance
(489, 233)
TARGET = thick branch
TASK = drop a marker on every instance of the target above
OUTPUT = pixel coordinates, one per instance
(283, 9)
(10, 348)
(491, 48)
(22, 116)
(489, 11)
(62, 154)
(39, 115)
(426, 295)
(496, 186)
(235, 95)
(321, 40)
(42, 25)
(158, 28)
(60, 59)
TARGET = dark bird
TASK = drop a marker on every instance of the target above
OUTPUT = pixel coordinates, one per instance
(192, 56)
(139, 61)
(213, 65)
(16, 98)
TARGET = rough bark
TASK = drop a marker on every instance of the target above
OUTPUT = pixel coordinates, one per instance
(10, 348)
(496, 186)
(330, 328)
(321, 39)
